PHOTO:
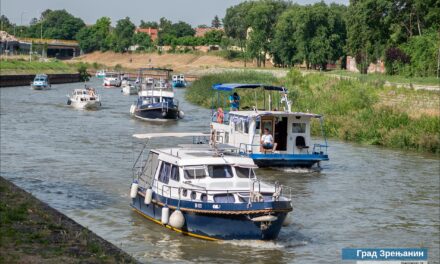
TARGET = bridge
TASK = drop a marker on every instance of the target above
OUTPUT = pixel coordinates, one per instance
(51, 47)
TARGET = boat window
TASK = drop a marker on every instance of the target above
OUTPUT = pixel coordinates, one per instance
(151, 167)
(224, 198)
(299, 128)
(164, 174)
(174, 173)
(244, 172)
(226, 137)
(220, 171)
(198, 172)
(246, 126)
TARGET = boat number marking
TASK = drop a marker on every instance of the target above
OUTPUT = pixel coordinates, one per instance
(197, 205)
(216, 206)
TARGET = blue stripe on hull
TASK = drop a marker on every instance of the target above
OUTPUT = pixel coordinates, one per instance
(217, 226)
(287, 160)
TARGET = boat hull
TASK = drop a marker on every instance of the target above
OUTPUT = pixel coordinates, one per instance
(40, 87)
(156, 114)
(287, 160)
(126, 90)
(213, 226)
(85, 104)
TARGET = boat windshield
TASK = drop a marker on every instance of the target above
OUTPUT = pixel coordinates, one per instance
(245, 172)
(195, 172)
(220, 171)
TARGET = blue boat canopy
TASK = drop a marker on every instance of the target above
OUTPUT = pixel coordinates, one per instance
(232, 86)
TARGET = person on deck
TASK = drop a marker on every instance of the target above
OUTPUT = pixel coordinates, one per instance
(266, 141)
(235, 102)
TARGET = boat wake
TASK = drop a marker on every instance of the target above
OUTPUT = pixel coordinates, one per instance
(299, 170)
(257, 244)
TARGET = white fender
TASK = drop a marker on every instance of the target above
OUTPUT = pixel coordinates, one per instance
(177, 220)
(134, 190)
(181, 114)
(132, 108)
(148, 196)
(165, 215)
(264, 218)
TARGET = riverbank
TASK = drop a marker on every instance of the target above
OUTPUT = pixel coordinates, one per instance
(354, 111)
(22, 66)
(33, 232)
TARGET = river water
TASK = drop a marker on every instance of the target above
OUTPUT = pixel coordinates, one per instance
(80, 163)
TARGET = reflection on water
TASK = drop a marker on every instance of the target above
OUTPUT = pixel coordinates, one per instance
(80, 163)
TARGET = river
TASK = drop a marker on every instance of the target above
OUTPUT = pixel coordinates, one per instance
(80, 162)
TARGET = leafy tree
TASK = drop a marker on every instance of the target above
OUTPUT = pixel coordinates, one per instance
(123, 35)
(213, 37)
(58, 24)
(182, 29)
(143, 40)
(236, 24)
(93, 38)
(148, 24)
(262, 18)
(169, 31)
(216, 22)
(202, 26)
(5, 24)
(33, 21)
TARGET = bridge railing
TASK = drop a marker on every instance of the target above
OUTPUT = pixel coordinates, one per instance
(50, 41)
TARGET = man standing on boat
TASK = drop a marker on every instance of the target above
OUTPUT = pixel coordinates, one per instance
(235, 102)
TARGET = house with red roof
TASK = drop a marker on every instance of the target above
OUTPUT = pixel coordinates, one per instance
(152, 32)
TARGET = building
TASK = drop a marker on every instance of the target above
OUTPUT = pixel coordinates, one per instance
(152, 32)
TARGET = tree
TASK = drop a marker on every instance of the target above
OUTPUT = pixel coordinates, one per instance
(367, 31)
(58, 24)
(202, 26)
(149, 24)
(236, 24)
(122, 35)
(5, 24)
(262, 18)
(94, 37)
(143, 40)
(213, 37)
(33, 21)
(216, 22)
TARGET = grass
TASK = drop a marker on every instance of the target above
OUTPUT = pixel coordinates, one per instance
(354, 111)
(378, 77)
(31, 232)
(9, 67)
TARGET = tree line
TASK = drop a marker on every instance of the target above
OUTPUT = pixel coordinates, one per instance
(402, 33)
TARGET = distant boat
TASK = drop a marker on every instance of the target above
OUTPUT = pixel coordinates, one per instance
(179, 81)
(156, 103)
(100, 74)
(86, 98)
(41, 82)
(128, 88)
(112, 79)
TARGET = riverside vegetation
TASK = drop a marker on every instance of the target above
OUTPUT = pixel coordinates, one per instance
(363, 112)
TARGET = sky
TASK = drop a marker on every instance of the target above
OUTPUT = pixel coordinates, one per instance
(194, 12)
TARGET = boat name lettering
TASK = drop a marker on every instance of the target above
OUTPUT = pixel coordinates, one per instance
(197, 205)
(216, 206)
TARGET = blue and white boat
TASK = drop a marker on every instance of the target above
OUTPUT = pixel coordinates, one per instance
(205, 192)
(243, 128)
(156, 103)
(100, 74)
(179, 81)
(41, 82)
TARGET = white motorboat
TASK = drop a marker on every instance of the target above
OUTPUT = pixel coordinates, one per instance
(41, 82)
(112, 79)
(128, 88)
(86, 98)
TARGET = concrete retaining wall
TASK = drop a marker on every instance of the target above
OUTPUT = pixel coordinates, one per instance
(23, 80)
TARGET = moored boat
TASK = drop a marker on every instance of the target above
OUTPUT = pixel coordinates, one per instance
(86, 98)
(40, 82)
(205, 192)
(272, 135)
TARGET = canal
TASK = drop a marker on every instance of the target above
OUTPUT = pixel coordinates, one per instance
(80, 162)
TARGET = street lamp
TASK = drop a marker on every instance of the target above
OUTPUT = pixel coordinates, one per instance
(21, 22)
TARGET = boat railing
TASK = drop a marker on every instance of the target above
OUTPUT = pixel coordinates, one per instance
(199, 193)
(246, 148)
(320, 149)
